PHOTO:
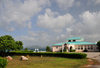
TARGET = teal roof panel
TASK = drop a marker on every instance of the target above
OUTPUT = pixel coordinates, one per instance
(81, 43)
(59, 44)
(75, 43)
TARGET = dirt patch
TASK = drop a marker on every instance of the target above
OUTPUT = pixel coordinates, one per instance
(91, 63)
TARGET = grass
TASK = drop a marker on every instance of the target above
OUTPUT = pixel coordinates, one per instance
(46, 62)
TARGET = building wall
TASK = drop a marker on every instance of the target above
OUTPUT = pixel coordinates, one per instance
(90, 48)
(78, 48)
(56, 48)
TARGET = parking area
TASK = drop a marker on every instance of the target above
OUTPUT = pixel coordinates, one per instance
(94, 55)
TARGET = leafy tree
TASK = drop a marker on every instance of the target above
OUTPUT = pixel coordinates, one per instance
(19, 45)
(65, 47)
(98, 44)
(48, 49)
(8, 43)
(71, 48)
(26, 49)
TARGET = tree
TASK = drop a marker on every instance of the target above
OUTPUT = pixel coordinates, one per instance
(65, 47)
(26, 49)
(98, 44)
(19, 45)
(48, 49)
(8, 43)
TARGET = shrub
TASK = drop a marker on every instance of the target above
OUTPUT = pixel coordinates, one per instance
(23, 51)
(85, 50)
(51, 54)
(3, 63)
(72, 50)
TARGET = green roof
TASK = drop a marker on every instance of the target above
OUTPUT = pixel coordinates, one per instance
(81, 43)
(59, 44)
(75, 43)
(75, 38)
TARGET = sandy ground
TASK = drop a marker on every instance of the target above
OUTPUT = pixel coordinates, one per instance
(94, 56)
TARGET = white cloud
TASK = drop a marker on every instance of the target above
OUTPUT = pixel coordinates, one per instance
(65, 4)
(35, 39)
(19, 13)
(54, 21)
(88, 27)
(97, 1)
(91, 20)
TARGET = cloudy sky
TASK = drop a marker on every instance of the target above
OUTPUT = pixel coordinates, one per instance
(45, 22)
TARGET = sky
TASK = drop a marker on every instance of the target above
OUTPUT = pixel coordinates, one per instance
(39, 23)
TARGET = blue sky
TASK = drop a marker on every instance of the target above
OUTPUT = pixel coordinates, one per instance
(45, 22)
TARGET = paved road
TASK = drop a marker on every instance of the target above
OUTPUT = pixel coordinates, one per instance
(96, 56)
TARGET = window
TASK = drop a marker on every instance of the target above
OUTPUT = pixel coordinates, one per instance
(74, 40)
(78, 47)
(91, 47)
(88, 47)
(69, 40)
(81, 47)
(85, 47)
(57, 47)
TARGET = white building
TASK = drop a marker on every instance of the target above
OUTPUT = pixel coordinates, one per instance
(75, 43)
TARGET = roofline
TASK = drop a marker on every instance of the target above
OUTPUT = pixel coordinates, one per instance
(60, 44)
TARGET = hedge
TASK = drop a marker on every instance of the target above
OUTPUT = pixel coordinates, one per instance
(51, 54)
(23, 51)
(3, 63)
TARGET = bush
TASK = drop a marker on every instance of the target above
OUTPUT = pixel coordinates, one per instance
(72, 50)
(85, 50)
(23, 51)
(3, 63)
(51, 54)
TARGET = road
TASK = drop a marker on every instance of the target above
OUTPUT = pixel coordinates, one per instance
(94, 55)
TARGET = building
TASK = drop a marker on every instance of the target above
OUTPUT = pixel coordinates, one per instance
(75, 43)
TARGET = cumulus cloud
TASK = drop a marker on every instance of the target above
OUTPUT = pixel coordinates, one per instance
(88, 27)
(65, 4)
(54, 21)
(18, 13)
(91, 20)
(35, 39)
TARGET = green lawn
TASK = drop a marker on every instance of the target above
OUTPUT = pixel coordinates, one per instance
(46, 62)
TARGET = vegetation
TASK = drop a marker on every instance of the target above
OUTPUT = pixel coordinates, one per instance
(26, 49)
(50, 54)
(85, 50)
(7, 43)
(19, 45)
(98, 44)
(65, 48)
(72, 50)
(48, 49)
(3, 63)
(22, 51)
(46, 62)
